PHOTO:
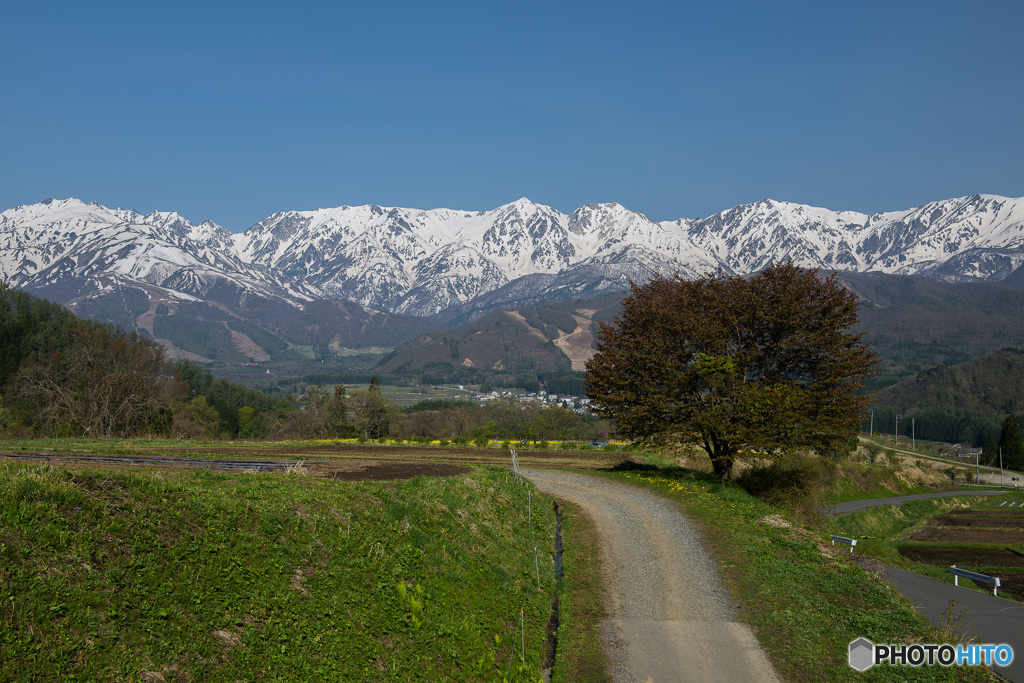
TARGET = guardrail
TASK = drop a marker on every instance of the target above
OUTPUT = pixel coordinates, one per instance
(843, 539)
(976, 577)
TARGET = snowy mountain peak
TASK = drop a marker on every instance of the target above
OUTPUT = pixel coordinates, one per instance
(422, 261)
(603, 218)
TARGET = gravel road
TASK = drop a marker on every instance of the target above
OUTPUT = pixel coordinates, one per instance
(670, 618)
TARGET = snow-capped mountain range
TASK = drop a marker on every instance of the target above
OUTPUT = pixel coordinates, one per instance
(424, 262)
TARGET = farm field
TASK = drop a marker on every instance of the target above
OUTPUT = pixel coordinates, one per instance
(346, 461)
(982, 534)
(407, 396)
(988, 539)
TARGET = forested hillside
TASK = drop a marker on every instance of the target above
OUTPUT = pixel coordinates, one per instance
(239, 327)
(915, 323)
(965, 402)
(62, 376)
(531, 347)
(991, 384)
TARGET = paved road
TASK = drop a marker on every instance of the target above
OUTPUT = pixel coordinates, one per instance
(857, 505)
(670, 618)
(993, 620)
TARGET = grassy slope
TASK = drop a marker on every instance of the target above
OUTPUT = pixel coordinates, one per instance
(215, 577)
(805, 602)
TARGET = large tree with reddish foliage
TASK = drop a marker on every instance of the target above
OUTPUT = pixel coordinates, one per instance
(761, 364)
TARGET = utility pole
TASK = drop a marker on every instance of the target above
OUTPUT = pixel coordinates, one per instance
(913, 434)
(1001, 466)
(872, 423)
(896, 432)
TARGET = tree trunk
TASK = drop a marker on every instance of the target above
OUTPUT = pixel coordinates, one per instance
(720, 451)
(722, 464)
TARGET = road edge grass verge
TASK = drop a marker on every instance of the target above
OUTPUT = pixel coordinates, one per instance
(805, 600)
(581, 657)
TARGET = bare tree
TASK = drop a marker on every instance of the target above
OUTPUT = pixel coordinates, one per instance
(104, 384)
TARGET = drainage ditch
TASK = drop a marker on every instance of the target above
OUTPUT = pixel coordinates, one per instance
(551, 649)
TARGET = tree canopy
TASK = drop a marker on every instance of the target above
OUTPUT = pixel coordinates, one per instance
(764, 363)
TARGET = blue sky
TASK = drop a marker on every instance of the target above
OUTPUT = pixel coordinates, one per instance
(230, 111)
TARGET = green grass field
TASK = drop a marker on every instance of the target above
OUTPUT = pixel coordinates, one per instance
(407, 396)
(199, 576)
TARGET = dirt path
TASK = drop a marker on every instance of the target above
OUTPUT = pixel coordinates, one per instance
(670, 618)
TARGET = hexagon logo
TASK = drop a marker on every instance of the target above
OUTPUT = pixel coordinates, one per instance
(862, 654)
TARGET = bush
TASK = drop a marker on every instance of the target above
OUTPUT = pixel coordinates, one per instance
(795, 476)
(892, 460)
(460, 441)
(443, 442)
(481, 441)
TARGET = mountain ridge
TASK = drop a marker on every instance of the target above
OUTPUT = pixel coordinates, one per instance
(454, 265)
(403, 260)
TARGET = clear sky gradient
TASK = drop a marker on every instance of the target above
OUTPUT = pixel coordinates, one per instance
(230, 111)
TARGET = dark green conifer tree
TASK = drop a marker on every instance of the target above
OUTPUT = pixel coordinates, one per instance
(990, 452)
(1011, 445)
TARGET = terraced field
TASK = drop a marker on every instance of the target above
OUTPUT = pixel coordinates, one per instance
(990, 541)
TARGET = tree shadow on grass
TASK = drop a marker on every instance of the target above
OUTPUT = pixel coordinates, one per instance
(672, 472)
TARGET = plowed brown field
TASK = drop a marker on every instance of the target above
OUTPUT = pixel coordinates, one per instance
(348, 462)
(969, 535)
